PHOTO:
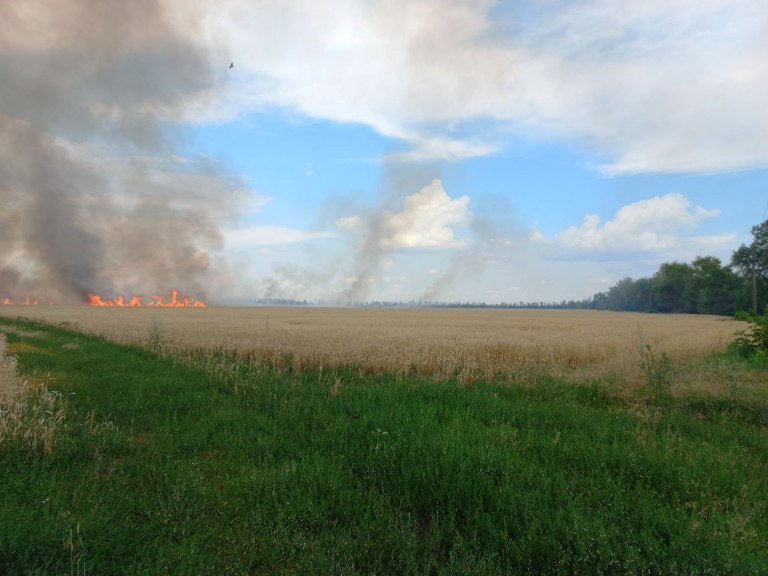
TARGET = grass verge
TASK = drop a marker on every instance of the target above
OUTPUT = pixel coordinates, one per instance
(240, 469)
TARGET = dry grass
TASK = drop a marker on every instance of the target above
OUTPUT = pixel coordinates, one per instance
(29, 412)
(463, 344)
(8, 381)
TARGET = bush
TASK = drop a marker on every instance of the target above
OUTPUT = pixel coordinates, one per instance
(754, 340)
(743, 315)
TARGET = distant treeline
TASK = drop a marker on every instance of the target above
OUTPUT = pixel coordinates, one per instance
(705, 286)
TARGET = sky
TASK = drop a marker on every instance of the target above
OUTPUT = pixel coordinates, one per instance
(365, 150)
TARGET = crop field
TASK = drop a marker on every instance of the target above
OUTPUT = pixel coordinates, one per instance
(349, 441)
(441, 344)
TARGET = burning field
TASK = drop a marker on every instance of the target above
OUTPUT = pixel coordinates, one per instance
(155, 301)
(96, 199)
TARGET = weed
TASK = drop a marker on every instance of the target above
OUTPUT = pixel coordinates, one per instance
(74, 543)
(658, 373)
(336, 388)
(155, 342)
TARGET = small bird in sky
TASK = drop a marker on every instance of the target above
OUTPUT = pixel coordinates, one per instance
(232, 65)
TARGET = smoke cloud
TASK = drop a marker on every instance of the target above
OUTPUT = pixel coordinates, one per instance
(425, 220)
(92, 197)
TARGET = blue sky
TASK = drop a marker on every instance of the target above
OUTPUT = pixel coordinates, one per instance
(438, 149)
(590, 140)
(308, 170)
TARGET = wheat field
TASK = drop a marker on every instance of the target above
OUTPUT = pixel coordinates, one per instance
(439, 343)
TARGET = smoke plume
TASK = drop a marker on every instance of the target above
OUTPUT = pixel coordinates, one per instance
(92, 197)
(425, 220)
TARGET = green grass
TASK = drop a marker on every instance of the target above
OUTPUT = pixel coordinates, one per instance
(163, 468)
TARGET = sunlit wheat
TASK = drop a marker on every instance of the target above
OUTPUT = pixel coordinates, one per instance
(441, 344)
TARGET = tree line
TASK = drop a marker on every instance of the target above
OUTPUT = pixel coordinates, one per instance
(705, 286)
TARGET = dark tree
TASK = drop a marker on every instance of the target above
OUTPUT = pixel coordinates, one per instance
(714, 286)
(752, 263)
(673, 286)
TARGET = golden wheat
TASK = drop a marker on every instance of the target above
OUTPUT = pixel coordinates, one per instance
(466, 344)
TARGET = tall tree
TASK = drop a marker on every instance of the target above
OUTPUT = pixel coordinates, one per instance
(672, 285)
(714, 286)
(752, 262)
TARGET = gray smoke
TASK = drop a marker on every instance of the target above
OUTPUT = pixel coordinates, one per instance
(350, 278)
(92, 198)
(366, 260)
(397, 181)
(495, 236)
(465, 263)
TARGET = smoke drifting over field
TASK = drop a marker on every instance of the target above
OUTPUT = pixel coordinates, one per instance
(412, 213)
(93, 198)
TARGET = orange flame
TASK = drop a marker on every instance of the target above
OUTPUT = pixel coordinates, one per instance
(26, 302)
(157, 300)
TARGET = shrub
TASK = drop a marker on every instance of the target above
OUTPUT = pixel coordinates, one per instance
(754, 340)
(743, 315)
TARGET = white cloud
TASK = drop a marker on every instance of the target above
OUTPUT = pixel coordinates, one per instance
(427, 220)
(652, 225)
(435, 148)
(269, 236)
(659, 85)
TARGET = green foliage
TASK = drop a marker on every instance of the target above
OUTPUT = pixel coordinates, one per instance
(743, 315)
(627, 294)
(167, 469)
(752, 262)
(672, 285)
(753, 341)
(755, 256)
(712, 287)
(705, 287)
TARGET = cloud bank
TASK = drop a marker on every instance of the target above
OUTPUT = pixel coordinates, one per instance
(663, 224)
(655, 86)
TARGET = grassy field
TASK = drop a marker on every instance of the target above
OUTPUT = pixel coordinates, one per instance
(224, 463)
